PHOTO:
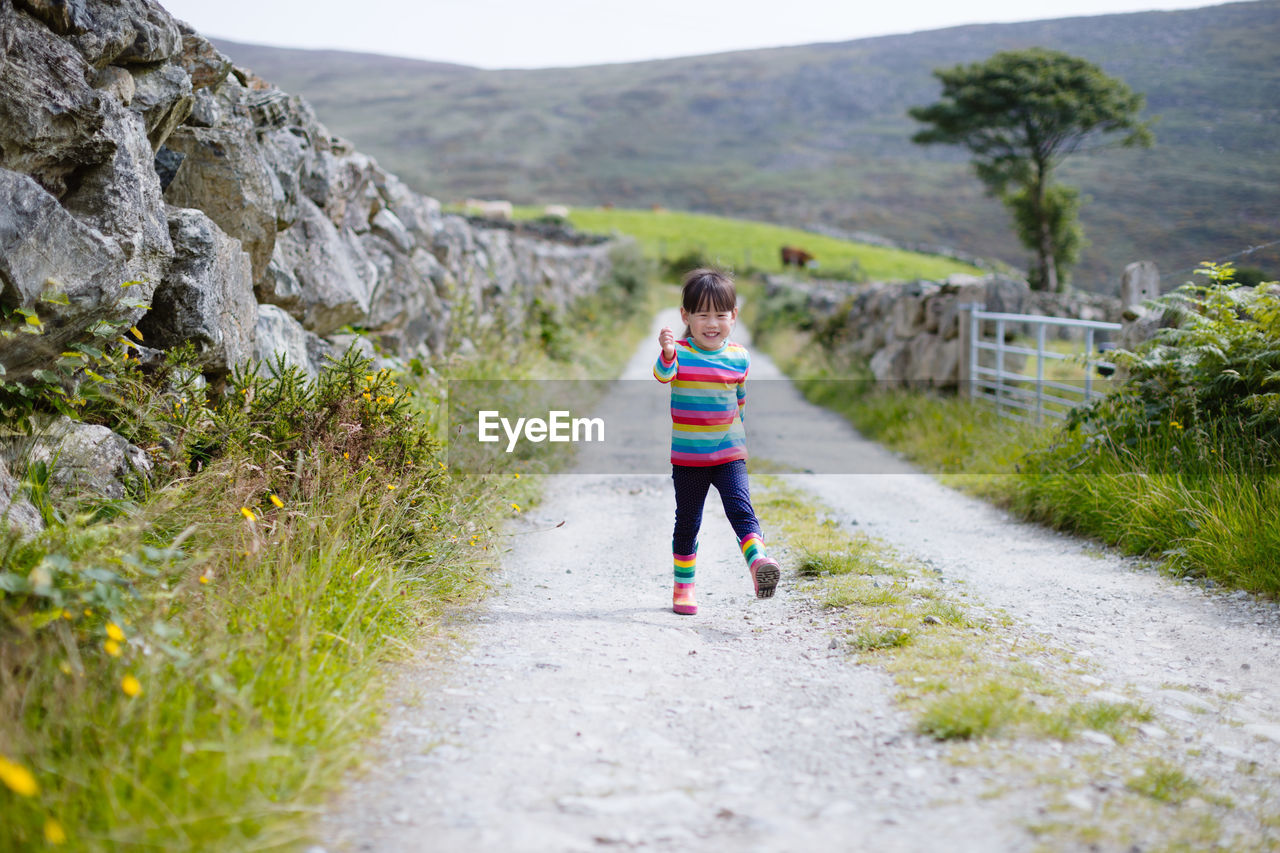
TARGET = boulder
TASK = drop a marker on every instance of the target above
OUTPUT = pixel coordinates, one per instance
(86, 269)
(1006, 295)
(206, 66)
(125, 32)
(278, 334)
(82, 458)
(15, 509)
(334, 276)
(206, 297)
(162, 95)
(52, 122)
(121, 197)
(224, 174)
(116, 82)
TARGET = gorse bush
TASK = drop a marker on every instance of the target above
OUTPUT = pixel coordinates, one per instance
(1213, 376)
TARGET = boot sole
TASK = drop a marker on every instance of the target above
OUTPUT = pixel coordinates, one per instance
(766, 581)
(685, 609)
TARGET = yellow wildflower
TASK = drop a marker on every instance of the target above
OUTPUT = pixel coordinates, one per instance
(367, 395)
(18, 778)
(346, 455)
(390, 486)
(67, 614)
(248, 513)
(517, 475)
(114, 632)
(54, 833)
(112, 648)
(516, 507)
(131, 686)
(204, 579)
(276, 500)
(64, 667)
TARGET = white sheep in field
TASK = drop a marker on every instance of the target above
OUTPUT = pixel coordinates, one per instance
(559, 211)
(494, 209)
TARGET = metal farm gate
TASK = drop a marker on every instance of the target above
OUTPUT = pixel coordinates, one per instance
(1062, 372)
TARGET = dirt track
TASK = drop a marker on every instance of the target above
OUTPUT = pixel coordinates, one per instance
(580, 713)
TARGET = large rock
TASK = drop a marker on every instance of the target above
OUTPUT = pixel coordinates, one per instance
(44, 249)
(405, 312)
(206, 297)
(121, 198)
(206, 66)
(52, 122)
(162, 95)
(15, 509)
(125, 32)
(82, 458)
(224, 174)
(334, 276)
(279, 335)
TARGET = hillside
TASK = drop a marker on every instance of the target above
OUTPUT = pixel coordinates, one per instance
(819, 134)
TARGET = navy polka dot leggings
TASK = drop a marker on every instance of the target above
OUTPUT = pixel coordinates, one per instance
(692, 483)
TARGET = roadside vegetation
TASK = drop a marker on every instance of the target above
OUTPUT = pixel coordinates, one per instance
(1180, 463)
(682, 241)
(194, 666)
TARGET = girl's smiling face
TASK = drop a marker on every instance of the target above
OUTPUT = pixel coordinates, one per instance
(708, 327)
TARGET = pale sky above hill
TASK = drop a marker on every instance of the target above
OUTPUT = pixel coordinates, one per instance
(554, 33)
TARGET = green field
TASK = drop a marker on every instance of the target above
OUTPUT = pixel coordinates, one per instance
(742, 245)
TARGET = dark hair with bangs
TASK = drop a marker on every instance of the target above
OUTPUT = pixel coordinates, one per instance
(708, 290)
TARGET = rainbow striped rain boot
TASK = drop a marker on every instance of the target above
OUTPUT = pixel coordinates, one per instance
(764, 569)
(682, 598)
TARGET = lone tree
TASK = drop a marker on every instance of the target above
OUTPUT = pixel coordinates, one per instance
(1020, 113)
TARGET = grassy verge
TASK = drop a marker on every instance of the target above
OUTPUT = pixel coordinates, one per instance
(1087, 764)
(745, 245)
(1190, 498)
(195, 669)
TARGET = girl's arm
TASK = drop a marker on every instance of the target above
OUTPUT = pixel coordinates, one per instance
(664, 370)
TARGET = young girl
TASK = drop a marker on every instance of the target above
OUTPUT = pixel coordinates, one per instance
(708, 374)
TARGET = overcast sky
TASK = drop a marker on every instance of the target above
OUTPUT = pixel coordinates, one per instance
(547, 33)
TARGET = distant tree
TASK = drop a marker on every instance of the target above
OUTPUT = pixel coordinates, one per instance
(1020, 113)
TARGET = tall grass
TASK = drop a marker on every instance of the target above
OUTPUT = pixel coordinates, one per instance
(195, 669)
(1195, 499)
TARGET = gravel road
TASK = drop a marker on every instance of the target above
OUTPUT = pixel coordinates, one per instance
(576, 712)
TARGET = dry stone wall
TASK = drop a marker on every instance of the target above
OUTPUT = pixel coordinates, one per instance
(145, 179)
(910, 332)
(132, 150)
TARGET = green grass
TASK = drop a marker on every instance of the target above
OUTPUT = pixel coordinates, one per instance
(1165, 782)
(259, 646)
(743, 245)
(1188, 498)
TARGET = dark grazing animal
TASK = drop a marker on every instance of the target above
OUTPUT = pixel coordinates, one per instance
(792, 256)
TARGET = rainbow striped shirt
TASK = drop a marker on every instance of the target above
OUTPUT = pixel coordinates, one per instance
(708, 393)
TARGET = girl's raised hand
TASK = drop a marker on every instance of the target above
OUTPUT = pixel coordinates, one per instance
(667, 340)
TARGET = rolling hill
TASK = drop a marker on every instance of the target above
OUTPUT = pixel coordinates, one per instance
(819, 134)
